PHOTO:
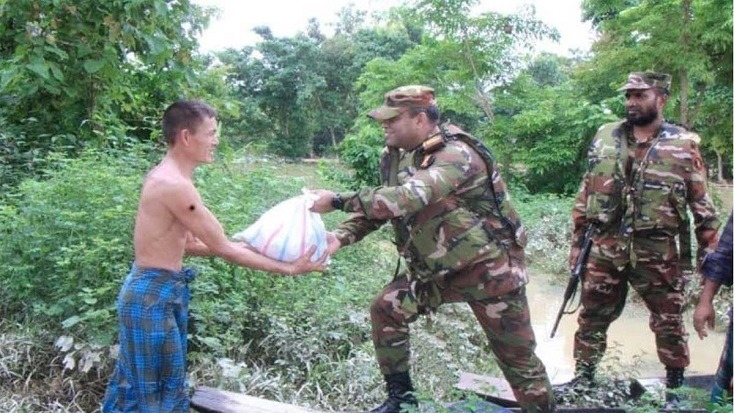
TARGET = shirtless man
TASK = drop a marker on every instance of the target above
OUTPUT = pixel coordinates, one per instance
(172, 221)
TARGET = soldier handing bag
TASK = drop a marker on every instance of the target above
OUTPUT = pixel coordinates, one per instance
(459, 235)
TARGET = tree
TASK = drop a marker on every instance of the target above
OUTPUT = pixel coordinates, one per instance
(300, 90)
(80, 73)
(544, 125)
(464, 57)
(280, 77)
(484, 50)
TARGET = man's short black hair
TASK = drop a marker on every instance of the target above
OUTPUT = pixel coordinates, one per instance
(184, 114)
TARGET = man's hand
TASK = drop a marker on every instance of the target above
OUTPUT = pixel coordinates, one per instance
(323, 202)
(303, 264)
(246, 246)
(703, 316)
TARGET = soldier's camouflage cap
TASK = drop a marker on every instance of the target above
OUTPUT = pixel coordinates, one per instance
(412, 96)
(647, 80)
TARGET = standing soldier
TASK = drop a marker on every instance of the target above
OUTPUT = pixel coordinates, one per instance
(459, 235)
(642, 174)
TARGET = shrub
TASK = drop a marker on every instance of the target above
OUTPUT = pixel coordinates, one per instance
(66, 241)
(547, 218)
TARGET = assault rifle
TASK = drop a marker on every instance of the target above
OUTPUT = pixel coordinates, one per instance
(576, 275)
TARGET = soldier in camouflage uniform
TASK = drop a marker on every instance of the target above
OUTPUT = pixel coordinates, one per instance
(642, 175)
(459, 235)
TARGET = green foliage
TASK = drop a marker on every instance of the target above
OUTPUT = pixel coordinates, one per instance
(547, 219)
(92, 74)
(543, 127)
(297, 93)
(65, 241)
(283, 82)
(19, 156)
(361, 152)
(461, 57)
(85, 59)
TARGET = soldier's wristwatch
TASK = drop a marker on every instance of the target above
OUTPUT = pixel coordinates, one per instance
(337, 202)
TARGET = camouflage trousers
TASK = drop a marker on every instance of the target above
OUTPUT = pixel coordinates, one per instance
(657, 279)
(505, 320)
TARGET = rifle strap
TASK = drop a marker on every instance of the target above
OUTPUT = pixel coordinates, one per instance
(481, 149)
(392, 180)
(394, 157)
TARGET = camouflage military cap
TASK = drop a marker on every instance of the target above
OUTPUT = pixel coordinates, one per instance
(413, 96)
(647, 80)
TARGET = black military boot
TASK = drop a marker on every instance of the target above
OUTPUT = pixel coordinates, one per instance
(399, 392)
(584, 376)
(673, 380)
(580, 384)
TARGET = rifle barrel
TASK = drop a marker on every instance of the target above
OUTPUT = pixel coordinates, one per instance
(576, 275)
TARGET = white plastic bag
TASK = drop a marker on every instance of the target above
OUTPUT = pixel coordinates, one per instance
(286, 231)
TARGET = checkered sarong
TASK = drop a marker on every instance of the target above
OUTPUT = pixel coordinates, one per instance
(150, 375)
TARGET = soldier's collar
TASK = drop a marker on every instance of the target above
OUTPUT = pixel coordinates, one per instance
(432, 136)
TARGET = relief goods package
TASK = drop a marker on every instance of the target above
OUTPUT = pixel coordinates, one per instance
(286, 231)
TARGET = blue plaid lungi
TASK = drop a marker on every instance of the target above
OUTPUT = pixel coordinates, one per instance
(150, 374)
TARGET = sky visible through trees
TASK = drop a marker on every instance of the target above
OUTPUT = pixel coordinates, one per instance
(233, 26)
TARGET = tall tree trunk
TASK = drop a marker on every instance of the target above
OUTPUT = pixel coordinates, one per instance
(481, 98)
(683, 74)
(719, 167)
(333, 137)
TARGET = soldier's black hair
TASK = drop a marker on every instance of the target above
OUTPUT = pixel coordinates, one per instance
(661, 91)
(432, 112)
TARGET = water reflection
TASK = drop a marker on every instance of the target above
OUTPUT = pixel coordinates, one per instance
(631, 344)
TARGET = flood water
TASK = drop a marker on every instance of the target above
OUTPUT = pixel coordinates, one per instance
(631, 343)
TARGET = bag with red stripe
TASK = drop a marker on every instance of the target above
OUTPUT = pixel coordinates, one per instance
(286, 231)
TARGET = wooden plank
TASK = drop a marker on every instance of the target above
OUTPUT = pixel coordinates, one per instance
(494, 389)
(211, 400)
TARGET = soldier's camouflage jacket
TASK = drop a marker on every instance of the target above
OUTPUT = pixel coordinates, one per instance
(442, 210)
(643, 189)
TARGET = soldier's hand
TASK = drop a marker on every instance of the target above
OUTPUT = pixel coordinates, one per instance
(703, 316)
(333, 243)
(573, 257)
(322, 203)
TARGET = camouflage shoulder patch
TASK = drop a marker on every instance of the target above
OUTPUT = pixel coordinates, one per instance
(691, 137)
(427, 161)
(424, 155)
(433, 144)
(612, 126)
